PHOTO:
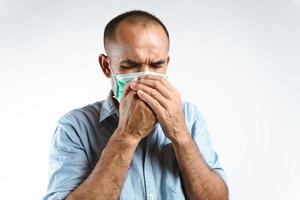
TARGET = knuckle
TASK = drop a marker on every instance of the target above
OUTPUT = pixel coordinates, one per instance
(153, 93)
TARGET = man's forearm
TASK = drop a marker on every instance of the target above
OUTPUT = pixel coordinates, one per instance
(199, 180)
(106, 180)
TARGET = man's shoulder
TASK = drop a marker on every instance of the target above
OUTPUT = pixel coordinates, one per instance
(88, 113)
(190, 109)
(191, 112)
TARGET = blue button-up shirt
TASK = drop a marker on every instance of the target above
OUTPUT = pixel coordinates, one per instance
(82, 134)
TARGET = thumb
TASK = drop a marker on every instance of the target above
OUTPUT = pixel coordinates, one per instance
(127, 88)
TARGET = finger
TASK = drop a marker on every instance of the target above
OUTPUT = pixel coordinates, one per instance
(155, 85)
(152, 92)
(127, 88)
(152, 103)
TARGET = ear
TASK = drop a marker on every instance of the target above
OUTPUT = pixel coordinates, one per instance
(104, 63)
(168, 60)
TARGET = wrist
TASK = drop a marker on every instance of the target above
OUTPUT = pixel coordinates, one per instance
(126, 136)
(182, 138)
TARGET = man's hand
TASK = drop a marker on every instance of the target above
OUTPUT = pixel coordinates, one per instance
(199, 180)
(165, 101)
(136, 118)
(107, 178)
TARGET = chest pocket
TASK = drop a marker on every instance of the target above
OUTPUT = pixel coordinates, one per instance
(174, 189)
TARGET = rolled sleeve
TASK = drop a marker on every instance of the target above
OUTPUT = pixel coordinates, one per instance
(68, 164)
(200, 135)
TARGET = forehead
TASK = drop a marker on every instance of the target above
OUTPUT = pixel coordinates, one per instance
(140, 41)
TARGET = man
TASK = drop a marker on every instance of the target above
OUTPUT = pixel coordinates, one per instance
(142, 142)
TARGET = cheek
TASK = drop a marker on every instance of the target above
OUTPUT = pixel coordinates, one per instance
(161, 70)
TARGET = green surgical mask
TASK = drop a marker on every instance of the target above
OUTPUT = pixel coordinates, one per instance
(120, 80)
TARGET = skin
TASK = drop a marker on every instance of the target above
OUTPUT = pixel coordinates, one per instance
(147, 100)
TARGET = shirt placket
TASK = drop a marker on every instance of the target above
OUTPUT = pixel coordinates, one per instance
(148, 174)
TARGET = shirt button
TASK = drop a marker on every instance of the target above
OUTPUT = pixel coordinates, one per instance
(151, 197)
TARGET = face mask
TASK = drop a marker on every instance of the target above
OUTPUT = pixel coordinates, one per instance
(120, 80)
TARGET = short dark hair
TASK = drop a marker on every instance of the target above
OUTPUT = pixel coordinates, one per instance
(133, 16)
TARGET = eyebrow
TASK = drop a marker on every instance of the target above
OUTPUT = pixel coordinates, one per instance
(132, 62)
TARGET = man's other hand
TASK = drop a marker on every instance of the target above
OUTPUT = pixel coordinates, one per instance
(136, 117)
(165, 101)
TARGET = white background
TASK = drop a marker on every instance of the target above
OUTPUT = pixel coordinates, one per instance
(239, 61)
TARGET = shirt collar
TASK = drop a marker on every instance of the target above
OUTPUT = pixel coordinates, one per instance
(108, 108)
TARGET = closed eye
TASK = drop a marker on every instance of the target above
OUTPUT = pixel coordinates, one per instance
(158, 64)
(130, 64)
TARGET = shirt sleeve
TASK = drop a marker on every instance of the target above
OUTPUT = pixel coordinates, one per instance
(68, 164)
(200, 135)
